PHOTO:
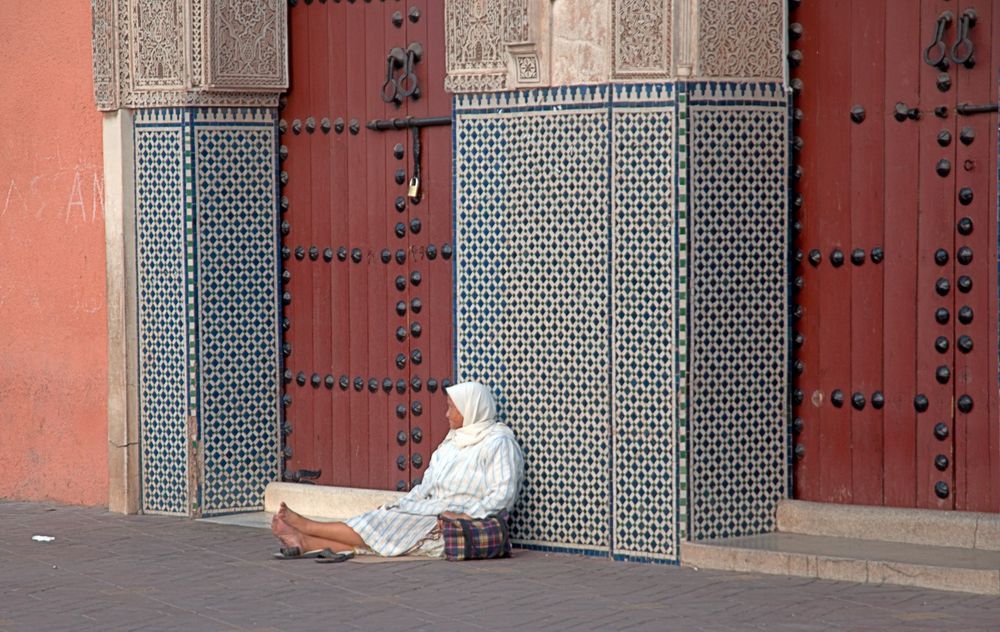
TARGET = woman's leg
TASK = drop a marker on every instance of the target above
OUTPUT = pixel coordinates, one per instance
(332, 531)
(312, 543)
(289, 536)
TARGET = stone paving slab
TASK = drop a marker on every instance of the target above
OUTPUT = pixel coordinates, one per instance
(111, 572)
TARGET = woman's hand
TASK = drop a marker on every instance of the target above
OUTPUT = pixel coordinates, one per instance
(451, 515)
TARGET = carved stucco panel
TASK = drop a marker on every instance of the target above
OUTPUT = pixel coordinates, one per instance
(642, 38)
(105, 69)
(739, 38)
(496, 44)
(161, 53)
(158, 57)
(124, 41)
(474, 45)
(248, 44)
(518, 22)
(197, 40)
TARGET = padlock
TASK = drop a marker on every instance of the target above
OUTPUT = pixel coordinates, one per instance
(414, 189)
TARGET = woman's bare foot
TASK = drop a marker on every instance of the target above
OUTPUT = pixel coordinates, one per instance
(286, 533)
(289, 517)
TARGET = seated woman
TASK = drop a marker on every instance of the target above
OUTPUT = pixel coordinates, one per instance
(476, 471)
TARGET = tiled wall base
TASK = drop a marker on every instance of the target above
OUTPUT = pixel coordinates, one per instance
(533, 294)
(738, 306)
(207, 271)
(572, 300)
(566, 303)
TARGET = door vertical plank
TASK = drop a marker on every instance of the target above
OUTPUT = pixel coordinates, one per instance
(867, 198)
(810, 71)
(833, 204)
(319, 210)
(421, 354)
(934, 231)
(298, 190)
(338, 78)
(903, 38)
(973, 467)
(395, 318)
(376, 212)
(357, 219)
(993, 256)
(439, 324)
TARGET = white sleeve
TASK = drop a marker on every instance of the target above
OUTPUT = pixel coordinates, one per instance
(504, 471)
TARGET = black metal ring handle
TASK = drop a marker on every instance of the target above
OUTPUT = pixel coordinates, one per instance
(965, 24)
(408, 83)
(941, 61)
(396, 58)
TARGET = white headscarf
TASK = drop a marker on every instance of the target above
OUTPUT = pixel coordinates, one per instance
(479, 411)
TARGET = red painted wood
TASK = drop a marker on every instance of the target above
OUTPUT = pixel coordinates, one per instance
(396, 37)
(376, 43)
(974, 481)
(345, 312)
(903, 38)
(433, 212)
(866, 210)
(831, 211)
(439, 226)
(358, 236)
(807, 471)
(935, 228)
(420, 211)
(992, 325)
(299, 311)
(340, 323)
(319, 212)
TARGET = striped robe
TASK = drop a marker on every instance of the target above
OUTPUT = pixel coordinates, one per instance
(478, 480)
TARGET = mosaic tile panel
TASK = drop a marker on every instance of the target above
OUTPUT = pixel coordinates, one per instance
(161, 245)
(645, 308)
(235, 168)
(207, 273)
(533, 295)
(738, 307)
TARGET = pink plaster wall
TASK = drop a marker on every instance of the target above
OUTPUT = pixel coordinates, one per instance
(53, 362)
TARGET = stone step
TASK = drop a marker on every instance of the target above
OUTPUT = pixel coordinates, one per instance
(928, 527)
(851, 559)
(319, 502)
(326, 502)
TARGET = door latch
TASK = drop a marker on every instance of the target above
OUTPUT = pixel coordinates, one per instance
(302, 476)
(967, 109)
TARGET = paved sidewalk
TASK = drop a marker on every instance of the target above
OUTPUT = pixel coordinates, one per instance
(110, 572)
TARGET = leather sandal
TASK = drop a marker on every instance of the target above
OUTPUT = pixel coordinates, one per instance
(329, 557)
(295, 553)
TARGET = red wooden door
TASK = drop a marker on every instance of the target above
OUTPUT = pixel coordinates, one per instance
(895, 289)
(366, 267)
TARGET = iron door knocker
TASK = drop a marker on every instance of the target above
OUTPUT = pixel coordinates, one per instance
(965, 24)
(941, 59)
(396, 59)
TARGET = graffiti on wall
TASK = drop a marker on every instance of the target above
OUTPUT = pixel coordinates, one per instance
(51, 187)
